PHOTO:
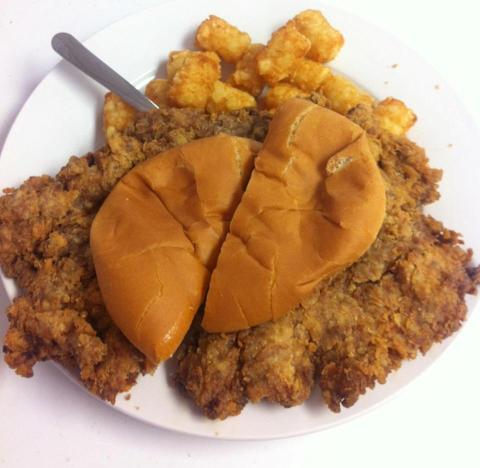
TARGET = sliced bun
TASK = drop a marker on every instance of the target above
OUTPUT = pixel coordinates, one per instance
(158, 234)
(314, 204)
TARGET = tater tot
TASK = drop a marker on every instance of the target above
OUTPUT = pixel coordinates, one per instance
(176, 59)
(326, 40)
(216, 35)
(308, 75)
(342, 95)
(281, 93)
(246, 76)
(226, 98)
(156, 90)
(394, 116)
(278, 59)
(193, 82)
(117, 116)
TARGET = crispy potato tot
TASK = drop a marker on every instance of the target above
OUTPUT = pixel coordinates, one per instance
(326, 40)
(176, 60)
(117, 116)
(226, 98)
(285, 48)
(281, 93)
(193, 81)
(342, 95)
(394, 116)
(216, 35)
(246, 76)
(309, 75)
(156, 91)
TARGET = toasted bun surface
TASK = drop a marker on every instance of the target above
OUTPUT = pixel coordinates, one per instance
(314, 204)
(158, 234)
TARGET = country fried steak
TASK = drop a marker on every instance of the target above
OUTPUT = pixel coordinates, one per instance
(44, 246)
(406, 293)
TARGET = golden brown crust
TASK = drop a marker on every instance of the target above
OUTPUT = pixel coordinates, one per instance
(325, 40)
(157, 91)
(194, 79)
(44, 246)
(284, 49)
(394, 116)
(225, 98)
(47, 217)
(343, 95)
(360, 325)
(281, 93)
(246, 76)
(314, 204)
(217, 35)
(309, 75)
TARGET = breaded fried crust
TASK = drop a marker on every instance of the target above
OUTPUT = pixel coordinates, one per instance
(406, 293)
(44, 246)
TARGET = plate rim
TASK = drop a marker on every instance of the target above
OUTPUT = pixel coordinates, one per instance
(193, 431)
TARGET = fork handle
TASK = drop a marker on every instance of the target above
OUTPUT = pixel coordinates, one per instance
(79, 56)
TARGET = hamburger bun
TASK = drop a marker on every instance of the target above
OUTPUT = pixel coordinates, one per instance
(158, 234)
(314, 204)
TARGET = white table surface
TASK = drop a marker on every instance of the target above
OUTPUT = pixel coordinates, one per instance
(48, 422)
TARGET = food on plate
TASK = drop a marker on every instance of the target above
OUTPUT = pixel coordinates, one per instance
(44, 245)
(194, 80)
(343, 95)
(277, 61)
(281, 93)
(394, 116)
(177, 58)
(314, 204)
(117, 116)
(405, 293)
(309, 75)
(226, 98)
(157, 91)
(325, 40)
(216, 35)
(193, 77)
(246, 76)
(158, 234)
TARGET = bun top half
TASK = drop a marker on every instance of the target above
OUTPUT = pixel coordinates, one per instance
(314, 204)
(158, 234)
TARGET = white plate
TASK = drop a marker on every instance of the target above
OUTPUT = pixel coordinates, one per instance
(62, 117)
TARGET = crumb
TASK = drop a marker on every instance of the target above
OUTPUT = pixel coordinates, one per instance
(395, 65)
(437, 86)
(385, 82)
(137, 408)
(449, 145)
(216, 433)
(127, 396)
